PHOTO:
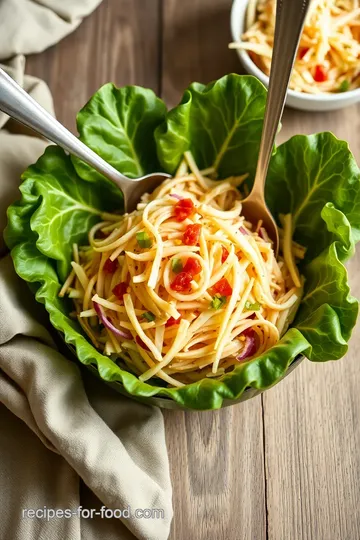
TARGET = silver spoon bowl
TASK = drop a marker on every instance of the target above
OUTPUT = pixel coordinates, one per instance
(17, 103)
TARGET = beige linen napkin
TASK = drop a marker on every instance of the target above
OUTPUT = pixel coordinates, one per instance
(31, 26)
(66, 439)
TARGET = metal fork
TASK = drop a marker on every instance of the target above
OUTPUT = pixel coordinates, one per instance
(17, 103)
(289, 23)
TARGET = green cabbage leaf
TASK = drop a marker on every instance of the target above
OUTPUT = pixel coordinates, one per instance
(315, 178)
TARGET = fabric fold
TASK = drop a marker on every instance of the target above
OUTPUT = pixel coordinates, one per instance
(31, 26)
(66, 439)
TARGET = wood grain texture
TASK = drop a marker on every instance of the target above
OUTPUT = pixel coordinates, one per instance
(216, 461)
(309, 423)
(216, 458)
(119, 42)
(312, 418)
(196, 34)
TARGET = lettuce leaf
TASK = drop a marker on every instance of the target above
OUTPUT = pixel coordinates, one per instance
(67, 210)
(119, 124)
(309, 172)
(220, 123)
(315, 178)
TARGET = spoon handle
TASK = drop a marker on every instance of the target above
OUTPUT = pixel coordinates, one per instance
(289, 23)
(17, 103)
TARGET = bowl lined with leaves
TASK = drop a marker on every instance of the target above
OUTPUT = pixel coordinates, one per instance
(314, 178)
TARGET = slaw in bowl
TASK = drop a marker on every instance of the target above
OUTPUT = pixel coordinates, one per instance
(313, 178)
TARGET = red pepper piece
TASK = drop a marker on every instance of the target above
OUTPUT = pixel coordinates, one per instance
(302, 52)
(120, 289)
(184, 209)
(223, 287)
(110, 266)
(320, 74)
(192, 266)
(172, 322)
(224, 254)
(192, 235)
(181, 282)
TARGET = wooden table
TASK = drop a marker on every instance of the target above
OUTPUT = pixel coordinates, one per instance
(285, 465)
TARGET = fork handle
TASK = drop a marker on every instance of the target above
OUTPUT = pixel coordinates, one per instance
(18, 104)
(289, 23)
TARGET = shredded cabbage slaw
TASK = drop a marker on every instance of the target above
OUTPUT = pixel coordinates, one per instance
(329, 51)
(184, 287)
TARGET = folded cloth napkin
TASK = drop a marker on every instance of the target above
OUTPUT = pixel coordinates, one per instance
(31, 26)
(66, 439)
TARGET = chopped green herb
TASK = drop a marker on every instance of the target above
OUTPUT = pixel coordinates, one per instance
(252, 307)
(176, 266)
(218, 301)
(149, 316)
(344, 86)
(143, 239)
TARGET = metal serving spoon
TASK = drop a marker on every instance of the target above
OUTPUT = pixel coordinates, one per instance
(289, 23)
(15, 102)
(290, 18)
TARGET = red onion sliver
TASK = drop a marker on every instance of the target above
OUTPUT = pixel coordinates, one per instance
(178, 197)
(109, 325)
(248, 331)
(243, 231)
(248, 350)
(264, 235)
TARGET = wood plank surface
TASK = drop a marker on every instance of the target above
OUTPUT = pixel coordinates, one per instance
(195, 41)
(119, 42)
(309, 423)
(312, 418)
(216, 461)
(216, 457)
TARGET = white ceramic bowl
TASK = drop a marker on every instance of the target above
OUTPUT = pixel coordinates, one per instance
(297, 100)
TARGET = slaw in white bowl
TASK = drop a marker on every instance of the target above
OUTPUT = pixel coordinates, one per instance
(297, 100)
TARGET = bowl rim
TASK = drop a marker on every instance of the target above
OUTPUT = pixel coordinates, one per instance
(255, 70)
(165, 402)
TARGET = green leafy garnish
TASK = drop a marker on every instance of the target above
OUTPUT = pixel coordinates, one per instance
(315, 178)
(218, 301)
(176, 266)
(344, 86)
(217, 123)
(149, 316)
(252, 306)
(119, 124)
(144, 240)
